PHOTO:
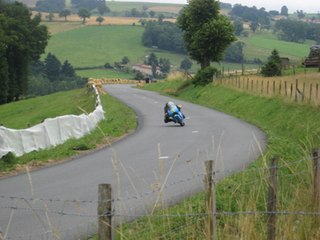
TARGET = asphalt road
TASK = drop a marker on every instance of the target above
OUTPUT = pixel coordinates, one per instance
(60, 202)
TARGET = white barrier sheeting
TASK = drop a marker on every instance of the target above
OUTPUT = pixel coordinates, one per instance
(51, 132)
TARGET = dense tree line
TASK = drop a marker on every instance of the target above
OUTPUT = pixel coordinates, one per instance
(50, 5)
(164, 35)
(251, 14)
(297, 31)
(59, 5)
(51, 76)
(88, 4)
(22, 41)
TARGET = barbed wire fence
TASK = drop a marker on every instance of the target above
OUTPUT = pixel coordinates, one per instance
(106, 210)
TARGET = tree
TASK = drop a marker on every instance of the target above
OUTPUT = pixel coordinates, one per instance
(300, 14)
(52, 67)
(67, 70)
(102, 9)
(50, 5)
(291, 30)
(65, 13)
(84, 14)
(152, 14)
(273, 66)
(254, 26)
(206, 32)
(284, 11)
(152, 59)
(22, 41)
(234, 53)
(99, 20)
(238, 27)
(165, 65)
(125, 60)
(186, 64)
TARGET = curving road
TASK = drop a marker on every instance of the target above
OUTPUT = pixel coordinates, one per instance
(60, 202)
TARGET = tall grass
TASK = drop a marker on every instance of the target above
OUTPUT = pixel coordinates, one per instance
(303, 87)
(293, 130)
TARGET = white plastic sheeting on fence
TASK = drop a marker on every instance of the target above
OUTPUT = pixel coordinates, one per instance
(51, 132)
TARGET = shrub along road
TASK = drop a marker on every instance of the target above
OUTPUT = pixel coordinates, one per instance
(62, 200)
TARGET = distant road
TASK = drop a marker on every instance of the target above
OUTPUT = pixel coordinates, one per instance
(60, 202)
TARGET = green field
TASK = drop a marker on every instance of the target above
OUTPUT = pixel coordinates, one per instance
(93, 46)
(96, 45)
(261, 44)
(29, 112)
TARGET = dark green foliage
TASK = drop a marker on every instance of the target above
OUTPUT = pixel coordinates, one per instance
(186, 64)
(254, 26)
(291, 30)
(238, 27)
(67, 70)
(164, 35)
(64, 13)
(284, 11)
(125, 60)
(50, 5)
(139, 76)
(88, 4)
(152, 59)
(9, 158)
(251, 14)
(165, 65)
(99, 20)
(84, 14)
(204, 76)
(81, 147)
(102, 9)
(52, 67)
(205, 31)
(234, 53)
(273, 66)
(22, 41)
(49, 77)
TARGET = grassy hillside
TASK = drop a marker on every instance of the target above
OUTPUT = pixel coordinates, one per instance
(120, 120)
(25, 113)
(261, 44)
(95, 45)
(293, 130)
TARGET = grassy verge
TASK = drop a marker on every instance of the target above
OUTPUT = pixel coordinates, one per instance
(119, 121)
(293, 130)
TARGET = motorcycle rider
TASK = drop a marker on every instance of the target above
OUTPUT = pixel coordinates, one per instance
(170, 107)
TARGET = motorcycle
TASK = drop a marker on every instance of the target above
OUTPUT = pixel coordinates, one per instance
(174, 114)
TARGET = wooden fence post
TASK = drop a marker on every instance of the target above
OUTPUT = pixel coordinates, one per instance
(296, 92)
(272, 199)
(310, 93)
(316, 186)
(105, 212)
(210, 200)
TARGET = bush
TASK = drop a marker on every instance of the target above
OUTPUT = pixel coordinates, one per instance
(205, 76)
(8, 158)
